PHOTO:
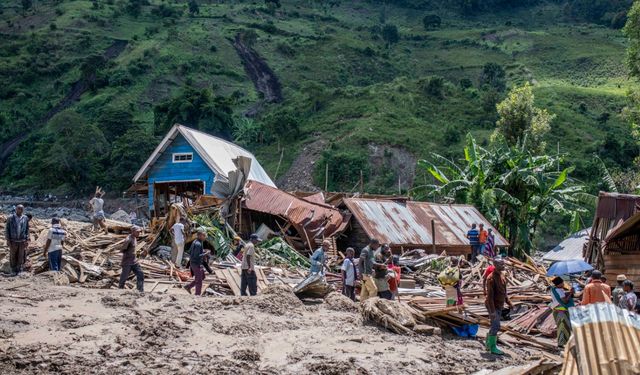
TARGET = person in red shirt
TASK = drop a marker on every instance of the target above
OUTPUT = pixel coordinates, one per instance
(486, 274)
(394, 281)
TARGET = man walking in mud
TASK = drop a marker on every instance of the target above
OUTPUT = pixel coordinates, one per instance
(196, 260)
(495, 300)
(248, 278)
(130, 262)
(17, 236)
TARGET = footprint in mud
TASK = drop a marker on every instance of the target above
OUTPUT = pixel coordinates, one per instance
(76, 322)
(112, 301)
(246, 355)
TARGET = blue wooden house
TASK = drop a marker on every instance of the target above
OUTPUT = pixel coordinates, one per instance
(187, 162)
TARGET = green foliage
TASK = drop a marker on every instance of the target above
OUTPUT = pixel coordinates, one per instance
(197, 108)
(194, 8)
(431, 22)
(246, 131)
(514, 188)
(114, 121)
(134, 7)
(435, 87)
(632, 32)
(345, 167)
(281, 125)
(128, 153)
(70, 152)
(274, 3)
(520, 119)
(390, 34)
(606, 12)
(26, 4)
(493, 76)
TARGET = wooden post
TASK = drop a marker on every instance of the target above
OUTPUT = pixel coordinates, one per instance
(279, 162)
(361, 182)
(433, 235)
(326, 177)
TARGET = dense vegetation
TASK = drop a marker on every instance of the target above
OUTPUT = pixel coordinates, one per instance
(410, 75)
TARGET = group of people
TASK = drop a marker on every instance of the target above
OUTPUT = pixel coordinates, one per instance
(482, 241)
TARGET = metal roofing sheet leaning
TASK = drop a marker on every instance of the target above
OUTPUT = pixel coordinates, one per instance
(607, 339)
(318, 220)
(409, 222)
(569, 249)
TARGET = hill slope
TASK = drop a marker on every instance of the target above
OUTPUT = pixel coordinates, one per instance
(348, 97)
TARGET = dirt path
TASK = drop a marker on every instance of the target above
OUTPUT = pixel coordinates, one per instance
(49, 329)
(77, 89)
(263, 78)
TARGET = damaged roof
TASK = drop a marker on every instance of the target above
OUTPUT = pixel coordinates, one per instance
(401, 223)
(570, 248)
(310, 219)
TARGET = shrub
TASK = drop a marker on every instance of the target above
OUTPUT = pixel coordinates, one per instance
(431, 22)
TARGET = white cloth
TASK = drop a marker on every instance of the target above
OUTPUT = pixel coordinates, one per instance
(629, 298)
(180, 253)
(554, 302)
(56, 236)
(178, 233)
(350, 272)
(249, 250)
(97, 205)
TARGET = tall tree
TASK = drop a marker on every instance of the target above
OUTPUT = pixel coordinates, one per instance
(520, 119)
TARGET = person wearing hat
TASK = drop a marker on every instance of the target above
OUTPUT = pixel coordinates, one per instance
(196, 260)
(618, 292)
(561, 301)
(248, 278)
(17, 236)
(319, 257)
(495, 299)
(129, 262)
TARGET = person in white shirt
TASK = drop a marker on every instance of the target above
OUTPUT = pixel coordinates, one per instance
(97, 205)
(349, 275)
(55, 243)
(177, 248)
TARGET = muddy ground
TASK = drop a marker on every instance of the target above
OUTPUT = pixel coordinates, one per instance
(73, 330)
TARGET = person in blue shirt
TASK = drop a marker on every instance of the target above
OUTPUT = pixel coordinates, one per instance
(319, 256)
(474, 240)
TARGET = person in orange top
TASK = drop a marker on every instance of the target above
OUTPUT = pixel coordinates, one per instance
(482, 237)
(596, 291)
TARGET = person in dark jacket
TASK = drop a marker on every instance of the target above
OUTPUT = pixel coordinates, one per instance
(495, 299)
(130, 262)
(17, 236)
(196, 259)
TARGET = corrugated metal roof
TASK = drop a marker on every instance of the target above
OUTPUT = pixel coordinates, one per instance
(606, 340)
(617, 206)
(313, 219)
(569, 249)
(409, 223)
(216, 152)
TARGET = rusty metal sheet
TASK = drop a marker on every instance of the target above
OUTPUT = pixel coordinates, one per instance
(313, 220)
(409, 223)
(617, 206)
(606, 340)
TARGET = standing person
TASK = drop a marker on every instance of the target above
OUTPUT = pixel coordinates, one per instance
(349, 275)
(196, 259)
(474, 241)
(629, 300)
(495, 300)
(618, 292)
(381, 279)
(561, 301)
(237, 247)
(17, 236)
(130, 262)
(485, 275)
(365, 270)
(596, 291)
(97, 205)
(177, 243)
(491, 242)
(248, 278)
(55, 243)
(318, 257)
(394, 271)
(482, 239)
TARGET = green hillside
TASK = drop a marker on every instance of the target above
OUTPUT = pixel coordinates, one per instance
(360, 102)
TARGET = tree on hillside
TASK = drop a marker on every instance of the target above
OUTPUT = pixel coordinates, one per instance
(128, 153)
(134, 7)
(273, 3)
(431, 22)
(325, 5)
(26, 5)
(520, 119)
(70, 151)
(194, 8)
(197, 108)
(114, 121)
(390, 34)
(493, 75)
(632, 32)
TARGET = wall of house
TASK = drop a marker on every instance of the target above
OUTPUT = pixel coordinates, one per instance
(165, 170)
